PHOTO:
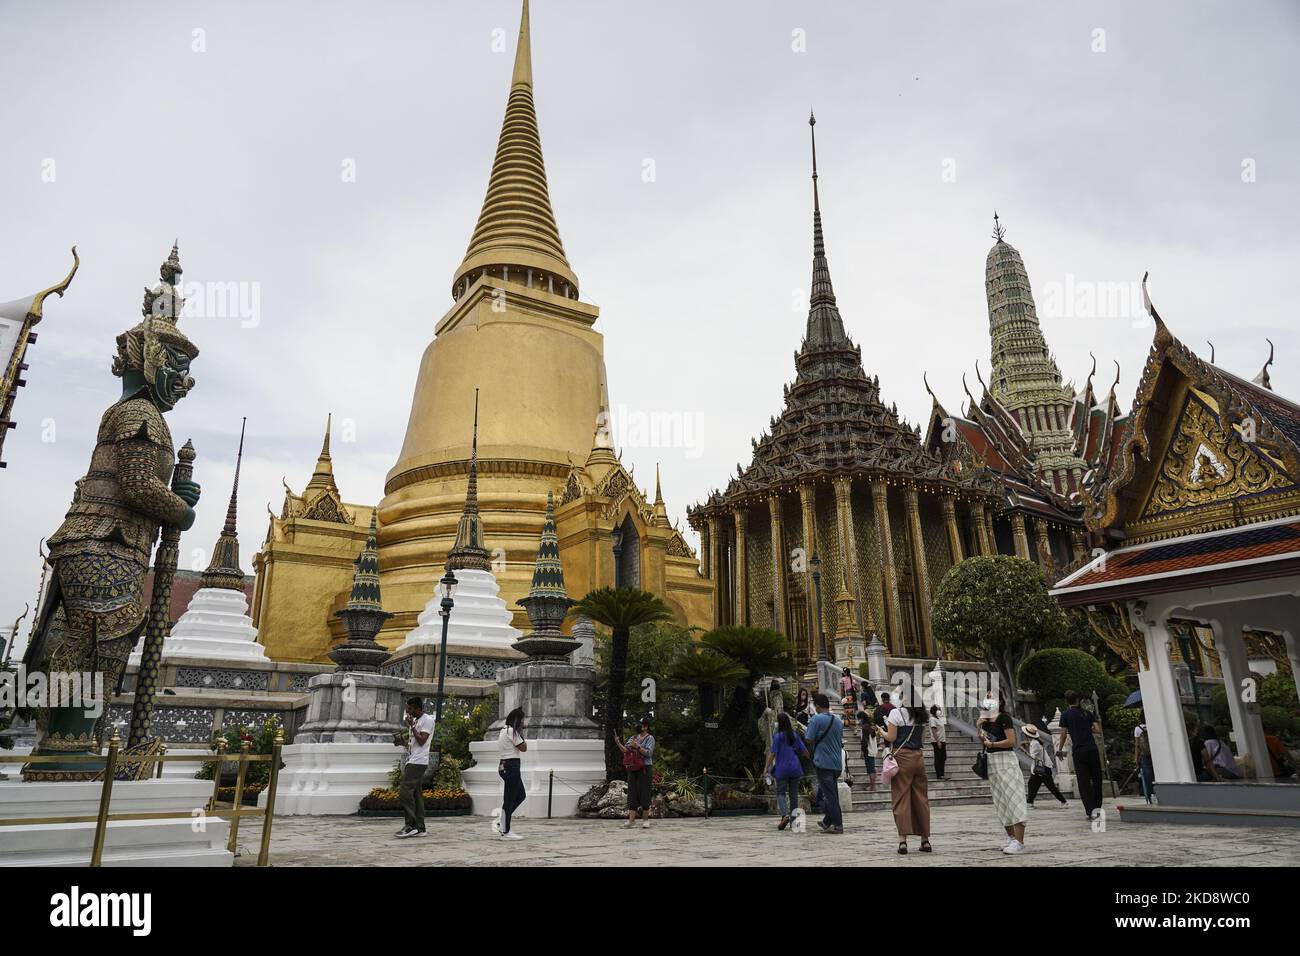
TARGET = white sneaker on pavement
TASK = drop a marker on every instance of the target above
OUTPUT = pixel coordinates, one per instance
(645, 825)
(1014, 847)
(512, 835)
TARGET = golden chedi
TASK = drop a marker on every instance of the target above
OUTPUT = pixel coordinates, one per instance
(518, 334)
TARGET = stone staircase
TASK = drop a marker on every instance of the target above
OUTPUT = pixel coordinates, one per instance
(959, 786)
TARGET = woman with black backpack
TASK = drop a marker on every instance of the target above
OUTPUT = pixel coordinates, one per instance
(638, 755)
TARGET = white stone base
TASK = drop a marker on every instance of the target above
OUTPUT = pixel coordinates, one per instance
(330, 779)
(478, 616)
(578, 764)
(215, 627)
(128, 842)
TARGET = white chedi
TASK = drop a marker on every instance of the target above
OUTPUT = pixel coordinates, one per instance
(215, 626)
(479, 616)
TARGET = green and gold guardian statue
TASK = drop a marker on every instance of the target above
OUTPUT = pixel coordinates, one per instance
(96, 607)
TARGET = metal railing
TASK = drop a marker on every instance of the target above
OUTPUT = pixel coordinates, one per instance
(114, 760)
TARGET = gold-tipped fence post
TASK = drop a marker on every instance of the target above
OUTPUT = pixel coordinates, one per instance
(105, 796)
(265, 851)
(216, 775)
(244, 748)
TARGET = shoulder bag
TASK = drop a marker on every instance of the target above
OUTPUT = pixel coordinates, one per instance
(889, 769)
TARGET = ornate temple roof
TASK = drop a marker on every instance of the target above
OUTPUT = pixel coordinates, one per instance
(516, 228)
(834, 421)
(1233, 455)
(320, 499)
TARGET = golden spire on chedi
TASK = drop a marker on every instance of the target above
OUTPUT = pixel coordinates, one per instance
(518, 331)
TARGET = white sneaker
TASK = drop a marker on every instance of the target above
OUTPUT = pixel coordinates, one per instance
(645, 825)
(629, 825)
(512, 835)
(496, 825)
(1014, 847)
(1062, 804)
(406, 832)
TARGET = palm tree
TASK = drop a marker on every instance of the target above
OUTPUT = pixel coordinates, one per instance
(620, 610)
(710, 673)
(759, 650)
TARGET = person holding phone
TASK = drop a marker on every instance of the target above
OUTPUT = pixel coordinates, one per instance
(510, 744)
(419, 727)
(638, 756)
(998, 735)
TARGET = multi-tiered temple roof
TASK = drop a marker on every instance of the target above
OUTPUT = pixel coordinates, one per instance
(834, 421)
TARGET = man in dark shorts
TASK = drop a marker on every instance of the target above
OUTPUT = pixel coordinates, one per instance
(1081, 727)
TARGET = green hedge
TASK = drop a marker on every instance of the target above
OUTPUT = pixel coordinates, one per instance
(1050, 673)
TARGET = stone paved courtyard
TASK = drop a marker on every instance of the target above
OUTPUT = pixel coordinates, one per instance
(962, 836)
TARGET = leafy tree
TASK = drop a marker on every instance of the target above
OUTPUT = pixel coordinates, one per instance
(463, 722)
(998, 607)
(1081, 636)
(1050, 673)
(653, 651)
(620, 610)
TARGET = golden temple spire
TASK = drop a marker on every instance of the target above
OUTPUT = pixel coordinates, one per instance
(323, 476)
(523, 54)
(825, 327)
(516, 239)
(661, 510)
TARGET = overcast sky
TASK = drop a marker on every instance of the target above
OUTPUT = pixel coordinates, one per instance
(1112, 138)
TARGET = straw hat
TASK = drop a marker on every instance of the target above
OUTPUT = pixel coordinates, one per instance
(1030, 731)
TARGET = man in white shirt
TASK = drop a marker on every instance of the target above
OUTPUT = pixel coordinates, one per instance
(411, 791)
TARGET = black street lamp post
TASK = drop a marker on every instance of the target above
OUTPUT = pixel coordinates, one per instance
(448, 584)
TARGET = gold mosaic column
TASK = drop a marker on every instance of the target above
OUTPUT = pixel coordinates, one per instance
(954, 535)
(893, 623)
(1044, 545)
(807, 500)
(715, 567)
(742, 579)
(977, 527)
(990, 542)
(706, 537)
(778, 564)
(920, 572)
(1018, 530)
(848, 539)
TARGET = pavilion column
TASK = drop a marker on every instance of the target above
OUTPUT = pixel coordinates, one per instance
(1248, 729)
(920, 572)
(1018, 532)
(848, 543)
(713, 541)
(776, 518)
(742, 577)
(808, 501)
(1162, 707)
(893, 622)
(1293, 653)
(1044, 544)
(954, 535)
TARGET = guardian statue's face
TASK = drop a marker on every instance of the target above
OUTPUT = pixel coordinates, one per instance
(171, 381)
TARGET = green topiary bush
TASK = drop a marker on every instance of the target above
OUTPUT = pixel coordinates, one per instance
(1050, 673)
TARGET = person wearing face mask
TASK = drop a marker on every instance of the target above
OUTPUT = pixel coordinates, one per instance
(998, 734)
